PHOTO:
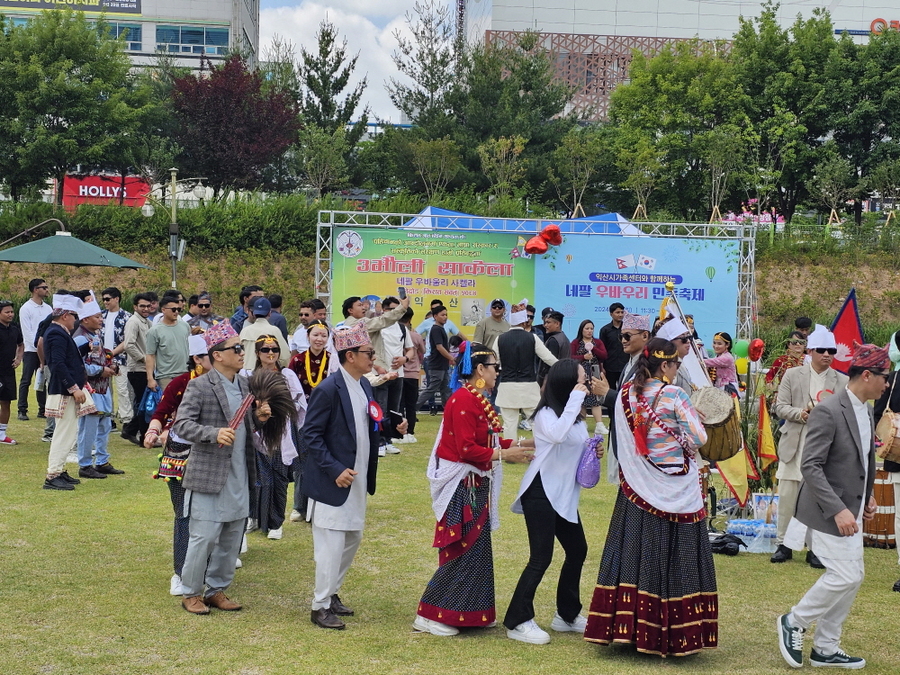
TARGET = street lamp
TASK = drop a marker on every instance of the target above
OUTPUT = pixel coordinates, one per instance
(176, 246)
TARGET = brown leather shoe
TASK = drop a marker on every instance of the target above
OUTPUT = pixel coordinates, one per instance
(194, 605)
(220, 601)
(339, 607)
(325, 618)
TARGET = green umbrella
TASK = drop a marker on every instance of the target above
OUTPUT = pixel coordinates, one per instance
(64, 249)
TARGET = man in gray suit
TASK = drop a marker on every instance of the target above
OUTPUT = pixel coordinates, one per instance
(835, 497)
(219, 473)
(801, 389)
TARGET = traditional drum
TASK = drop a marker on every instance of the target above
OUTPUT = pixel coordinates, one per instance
(879, 532)
(723, 428)
(888, 433)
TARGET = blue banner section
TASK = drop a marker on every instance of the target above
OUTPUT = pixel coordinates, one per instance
(586, 274)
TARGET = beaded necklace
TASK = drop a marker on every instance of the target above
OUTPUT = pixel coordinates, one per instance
(319, 376)
(494, 423)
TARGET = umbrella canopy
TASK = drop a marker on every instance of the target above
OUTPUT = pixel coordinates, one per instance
(64, 249)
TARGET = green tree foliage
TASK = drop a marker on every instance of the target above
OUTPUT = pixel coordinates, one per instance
(320, 158)
(64, 87)
(577, 160)
(502, 163)
(834, 181)
(436, 163)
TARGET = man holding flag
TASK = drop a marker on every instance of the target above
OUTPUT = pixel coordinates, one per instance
(801, 389)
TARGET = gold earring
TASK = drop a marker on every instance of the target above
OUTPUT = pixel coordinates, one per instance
(666, 380)
(479, 383)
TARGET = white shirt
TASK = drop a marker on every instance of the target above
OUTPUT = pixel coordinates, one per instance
(299, 341)
(394, 344)
(558, 443)
(30, 315)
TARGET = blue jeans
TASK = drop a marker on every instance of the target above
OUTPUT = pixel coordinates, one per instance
(93, 436)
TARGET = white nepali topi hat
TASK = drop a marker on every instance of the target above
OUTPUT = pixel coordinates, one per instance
(821, 338)
(197, 345)
(672, 329)
(64, 302)
(89, 307)
(636, 322)
(351, 338)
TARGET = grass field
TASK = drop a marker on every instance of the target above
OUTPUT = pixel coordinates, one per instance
(86, 577)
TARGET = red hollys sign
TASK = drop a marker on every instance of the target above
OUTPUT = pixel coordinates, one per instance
(104, 190)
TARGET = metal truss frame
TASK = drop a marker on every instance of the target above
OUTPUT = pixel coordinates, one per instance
(745, 234)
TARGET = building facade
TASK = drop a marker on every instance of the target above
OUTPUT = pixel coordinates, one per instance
(188, 30)
(592, 41)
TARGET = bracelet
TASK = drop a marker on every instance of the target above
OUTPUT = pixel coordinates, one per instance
(152, 431)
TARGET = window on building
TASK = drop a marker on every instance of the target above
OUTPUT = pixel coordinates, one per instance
(131, 33)
(192, 40)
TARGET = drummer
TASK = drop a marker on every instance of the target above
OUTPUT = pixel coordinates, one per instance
(801, 389)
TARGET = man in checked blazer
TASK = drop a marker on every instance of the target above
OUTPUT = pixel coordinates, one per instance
(219, 473)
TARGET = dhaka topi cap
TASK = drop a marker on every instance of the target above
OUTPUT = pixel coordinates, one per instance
(351, 338)
(261, 307)
(65, 302)
(672, 329)
(870, 357)
(821, 338)
(218, 334)
(636, 321)
(197, 345)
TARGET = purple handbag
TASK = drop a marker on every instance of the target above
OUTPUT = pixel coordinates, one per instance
(588, 473)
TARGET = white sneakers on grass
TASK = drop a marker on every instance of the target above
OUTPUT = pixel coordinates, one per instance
(296, 516)
(276, 534)
(392, 449)
(576, 625)
(533, 634)
(175, 586)
(428, 626)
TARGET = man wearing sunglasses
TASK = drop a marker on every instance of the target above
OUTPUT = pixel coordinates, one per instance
(800, 390)
(167, 344)
(204, 318)
(835, 498)
(31, 313)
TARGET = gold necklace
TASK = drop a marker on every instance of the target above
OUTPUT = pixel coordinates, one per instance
(320, 375)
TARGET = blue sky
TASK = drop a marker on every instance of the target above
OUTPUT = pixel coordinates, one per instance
(368, 27)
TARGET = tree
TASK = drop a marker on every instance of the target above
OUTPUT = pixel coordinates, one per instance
(427, 61)
(885, 179)
(281, 69)
(722, 150)
(64, 83)
(641, 161)
(834, 181)
(230, 128)
(325, 75)
(320, 158)
(576, 161)
(436, 162)
(502, 163)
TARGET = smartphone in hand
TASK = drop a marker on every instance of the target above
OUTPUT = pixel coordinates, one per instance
(401, 292)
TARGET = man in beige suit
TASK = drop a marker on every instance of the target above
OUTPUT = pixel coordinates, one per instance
(801, 389)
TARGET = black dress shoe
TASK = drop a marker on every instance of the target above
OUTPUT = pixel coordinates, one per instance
(131, 439)
(325, 618)
(89, 472)
(814, 561)
(109, 469)
(339, 607)
(782, 554)
(896, 588)
(58, 483)
(66, 477)
(22, 417)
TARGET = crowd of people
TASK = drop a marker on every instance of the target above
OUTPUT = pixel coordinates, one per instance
(241, 407)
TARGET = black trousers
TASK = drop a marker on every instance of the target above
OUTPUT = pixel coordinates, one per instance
(543, 525)
(389, 395)
(410, 396)
(137, 426)
(30, 365)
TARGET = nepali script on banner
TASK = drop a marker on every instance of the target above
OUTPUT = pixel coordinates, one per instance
(587, 273)
(466, 270)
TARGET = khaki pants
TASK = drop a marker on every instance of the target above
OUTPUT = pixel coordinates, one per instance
(64, 438)
(124, 402)
(788, 490)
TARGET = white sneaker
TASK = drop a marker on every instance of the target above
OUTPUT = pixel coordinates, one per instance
(175, 587)
(392, 449)
(529, 632)
(244, 544)
(276, 534)
(252, 524)
(296, 516)
(381, 452)
(428, 626)
(238, 564)
(72, 458)
(409, 438)
(525, 425)
(560, 625)
(399, 441)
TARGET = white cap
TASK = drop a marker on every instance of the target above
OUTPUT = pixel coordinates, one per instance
(89, 307)
(67, 302)
(821, 338)
(672, 329)
(197, 345)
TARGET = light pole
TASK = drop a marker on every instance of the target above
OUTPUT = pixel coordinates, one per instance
(176, 245)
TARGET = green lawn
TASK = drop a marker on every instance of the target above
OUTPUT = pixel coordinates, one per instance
(86, 578)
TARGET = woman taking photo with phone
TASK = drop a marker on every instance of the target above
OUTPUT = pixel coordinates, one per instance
(657, 583)
(548, 497)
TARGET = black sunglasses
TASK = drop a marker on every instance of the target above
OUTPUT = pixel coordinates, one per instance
(237, 349)
(825, 350)
(368, 352)
(173, 309)
(880, 374)
(206, 306)
(270, 350)
(106, 299)
(495, 366)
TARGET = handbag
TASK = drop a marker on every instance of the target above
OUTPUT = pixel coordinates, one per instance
(587, 475)
(149, 401)
(888, 431)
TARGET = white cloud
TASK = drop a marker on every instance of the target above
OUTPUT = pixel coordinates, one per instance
(298, 24)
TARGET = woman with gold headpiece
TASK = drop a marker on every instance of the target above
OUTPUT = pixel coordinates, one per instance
(657, 583)
(275, 464)
(721, 367)
(311, 366)
(465, 471)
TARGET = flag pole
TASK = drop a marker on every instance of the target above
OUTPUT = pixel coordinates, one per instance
(679, 314)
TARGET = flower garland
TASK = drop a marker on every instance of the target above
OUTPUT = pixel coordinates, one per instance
(494, 423)
(320, 375)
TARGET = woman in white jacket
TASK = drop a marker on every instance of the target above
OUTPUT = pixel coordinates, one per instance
(548, 497)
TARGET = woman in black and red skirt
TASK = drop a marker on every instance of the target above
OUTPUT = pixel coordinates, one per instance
(657, 583)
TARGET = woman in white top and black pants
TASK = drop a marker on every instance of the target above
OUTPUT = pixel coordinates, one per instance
(548, 497)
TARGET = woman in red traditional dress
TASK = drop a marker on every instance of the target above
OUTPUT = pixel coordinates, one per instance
(657, 583)
(465, 471)
(311, 366)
